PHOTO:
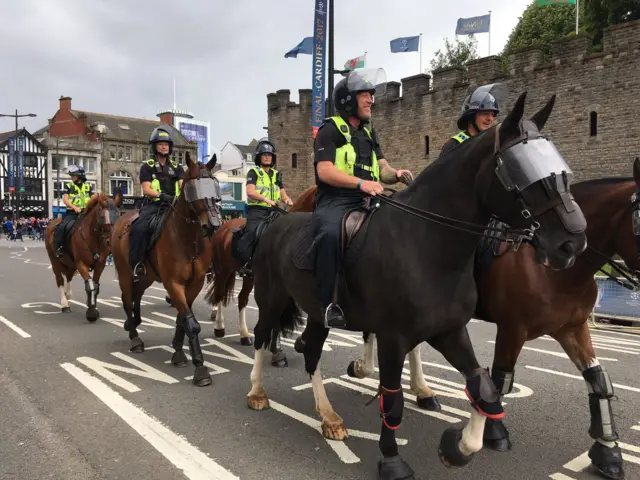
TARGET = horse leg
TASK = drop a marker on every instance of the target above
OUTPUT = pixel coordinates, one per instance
(91, 289)
(136, 344)
(278, 357)
(187, 320)
(458, 446)
(67, 284)
(363, 367)
(391, 361)
(179, 359)
(332, 424)
(61, 282)
(425, 397)
(218, 317)
(243, 301)
(257, 398)
(605, 453)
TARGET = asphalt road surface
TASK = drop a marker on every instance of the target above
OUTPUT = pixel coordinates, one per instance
(77, 405)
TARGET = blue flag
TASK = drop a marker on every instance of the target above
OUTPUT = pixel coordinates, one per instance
(305, 46)
(405, 44)
(468, 26)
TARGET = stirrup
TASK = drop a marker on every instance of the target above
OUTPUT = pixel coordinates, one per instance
(143, 271)
(341, 321)
(59, 253)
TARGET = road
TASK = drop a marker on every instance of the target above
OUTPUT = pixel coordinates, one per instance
(77, 405)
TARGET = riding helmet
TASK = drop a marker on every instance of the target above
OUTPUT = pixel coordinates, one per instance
(161, 134)
(480, 100)
(264, 146)
(345, 93)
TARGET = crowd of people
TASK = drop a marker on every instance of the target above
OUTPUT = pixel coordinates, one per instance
(32, 228)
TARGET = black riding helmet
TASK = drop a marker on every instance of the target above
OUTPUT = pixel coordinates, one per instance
(482, 99)
(264, 146)
(346, 91)
(161, 134)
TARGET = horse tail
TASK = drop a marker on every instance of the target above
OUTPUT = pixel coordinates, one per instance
(290, 318)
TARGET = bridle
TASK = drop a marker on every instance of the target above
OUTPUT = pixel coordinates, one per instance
(99, 228)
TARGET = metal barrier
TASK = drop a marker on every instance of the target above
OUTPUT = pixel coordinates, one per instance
(615, 304)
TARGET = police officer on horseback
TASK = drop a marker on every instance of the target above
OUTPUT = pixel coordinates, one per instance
(76, 195)
(265, 189)
(478, 113)
(349, 165)
(161, 180)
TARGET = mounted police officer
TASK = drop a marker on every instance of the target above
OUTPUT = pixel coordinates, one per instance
(265, 189)
(478, 113)
(349, 164)
(161, 180)
(76, 195)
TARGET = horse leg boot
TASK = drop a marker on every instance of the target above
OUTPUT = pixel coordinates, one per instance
(91, 288)
(201, 376)
(179, 359)
(457, 446)
(391, 361)
(278, 357)
(496, 435)
(605, 453)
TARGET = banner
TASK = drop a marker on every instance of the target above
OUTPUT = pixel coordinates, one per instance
(12, 162)
(21, 164)
(196, 131)
(469, 26)
(318, 67)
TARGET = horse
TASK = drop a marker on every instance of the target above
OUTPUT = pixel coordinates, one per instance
(510, 171)
(611, 207)
(225, 267)
(88, 247)
(178, 258)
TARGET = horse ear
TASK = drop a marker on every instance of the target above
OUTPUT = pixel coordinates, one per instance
(188, 160)
(515, 115)
(117, 197)
(636, 171)
(540, 118)
(212, 162)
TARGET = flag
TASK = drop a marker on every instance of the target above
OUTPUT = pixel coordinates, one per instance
(357, 62)
(542, 3)
(305, 46)
(405, 44)
(468, 26)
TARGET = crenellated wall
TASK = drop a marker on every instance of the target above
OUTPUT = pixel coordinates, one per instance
(604, 84)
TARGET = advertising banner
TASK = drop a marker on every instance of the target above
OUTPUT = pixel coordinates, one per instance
(195, 132)
(318, 65)
(11, 168)
(21, 164)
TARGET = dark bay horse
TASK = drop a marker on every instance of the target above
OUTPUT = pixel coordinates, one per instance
(556, 303)
(225, 267)
(89, 247)
(510, 171)
(179, 259)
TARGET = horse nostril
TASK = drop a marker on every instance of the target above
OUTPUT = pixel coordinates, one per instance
(569, 248)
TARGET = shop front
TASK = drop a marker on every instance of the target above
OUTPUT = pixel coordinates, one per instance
(130, 203)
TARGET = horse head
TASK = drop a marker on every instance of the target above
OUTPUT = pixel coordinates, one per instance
(626, 228)
(202, 193)
(532, 191)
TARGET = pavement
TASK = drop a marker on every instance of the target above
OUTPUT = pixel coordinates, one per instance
(77, 405)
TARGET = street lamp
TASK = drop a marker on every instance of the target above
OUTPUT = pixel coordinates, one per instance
(16, 116)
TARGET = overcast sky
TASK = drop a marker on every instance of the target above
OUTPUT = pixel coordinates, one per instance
(120, 56)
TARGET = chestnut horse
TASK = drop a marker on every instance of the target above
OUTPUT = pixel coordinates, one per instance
(179, 259)
(89, 247)
(225, 267)
(554, 303)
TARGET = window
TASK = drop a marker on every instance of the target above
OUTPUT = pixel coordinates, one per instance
(120, 153)
(30, 160)
(127, 154)
(121, 180)
(593, 124)
(124, 126)
(90, 165)
(426, 145)
(294, 160)
(112, 153)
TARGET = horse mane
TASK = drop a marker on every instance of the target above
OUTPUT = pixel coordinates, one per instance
(302, 201)
(588, 188)
(98, 199)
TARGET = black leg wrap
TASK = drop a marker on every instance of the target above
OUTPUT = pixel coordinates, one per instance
(600, 393)
(483, 395)
(394, 468)
(92, 293)
(607, 461)
(191, 325)
(503, 381)
(391, 405)
(178, 338)
(196, 352)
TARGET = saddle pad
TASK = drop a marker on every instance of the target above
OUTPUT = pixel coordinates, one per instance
(156, 224)
(303, 248)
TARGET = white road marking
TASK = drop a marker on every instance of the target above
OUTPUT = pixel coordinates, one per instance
(560, 476)
(192, 462)
(556, 354)
(578, 377)
(14, 327)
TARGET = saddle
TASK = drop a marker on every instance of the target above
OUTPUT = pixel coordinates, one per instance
(490, 247)
(354, 222)
(68, 226)
(241, 250)
(149, 227)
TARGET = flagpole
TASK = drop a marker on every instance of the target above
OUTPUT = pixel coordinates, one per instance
(577, 10)
(174, 93)
(489, 32)
(420, 41)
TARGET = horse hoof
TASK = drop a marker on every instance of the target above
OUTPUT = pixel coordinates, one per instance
(279, 360)
(334, 431)
(137, 345)
(246, 341)
(449, 449)
(66, 309)
(351, 371)
(607, 461)
(219, 332)
(298, 345)
(201, 377)
(258, 402)
(167, 299)
(92, 314)
(429, 403)
(394, 468)
(496, 436)
(179, 359)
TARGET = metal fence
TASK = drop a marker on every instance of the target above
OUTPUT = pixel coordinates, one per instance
(616, 307)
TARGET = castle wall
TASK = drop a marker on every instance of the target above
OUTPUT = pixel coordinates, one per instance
(604, 84)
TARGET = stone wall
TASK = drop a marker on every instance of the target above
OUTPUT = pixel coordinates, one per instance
(417, 116)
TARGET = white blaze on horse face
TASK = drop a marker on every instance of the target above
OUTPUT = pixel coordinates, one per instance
(244, 331)
(472, 434)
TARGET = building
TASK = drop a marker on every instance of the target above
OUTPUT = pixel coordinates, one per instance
(25, 176)
(233, 192)
(110, 148)
(196, 131)
(594, 123)
(237, 159)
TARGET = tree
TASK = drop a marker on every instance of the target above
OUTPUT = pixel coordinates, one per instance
(456, 54)
(599, 14)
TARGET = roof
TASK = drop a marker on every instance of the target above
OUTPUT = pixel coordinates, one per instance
(245, 149)
(4, 137)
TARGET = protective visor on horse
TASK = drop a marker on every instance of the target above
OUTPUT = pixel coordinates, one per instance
(208, 189)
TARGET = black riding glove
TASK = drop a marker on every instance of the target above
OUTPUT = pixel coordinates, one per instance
(165, 197)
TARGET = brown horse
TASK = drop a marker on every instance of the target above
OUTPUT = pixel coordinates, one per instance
(89, 248)
(225, 267)
(179, 259)
(556, 303)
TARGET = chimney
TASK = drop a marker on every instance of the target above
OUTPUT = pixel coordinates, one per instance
(65, 103)
(166, 117)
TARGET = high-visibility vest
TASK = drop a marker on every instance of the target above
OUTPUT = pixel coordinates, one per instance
(155, 183)
(461, 137)
(346, 156)
(265, 186)
(80, 195)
